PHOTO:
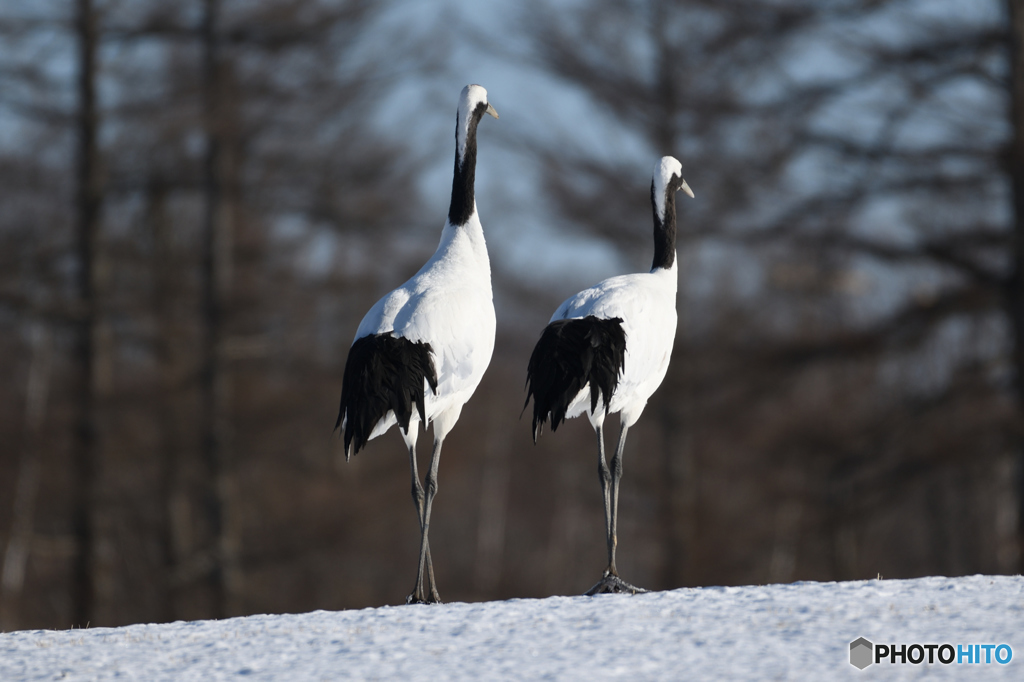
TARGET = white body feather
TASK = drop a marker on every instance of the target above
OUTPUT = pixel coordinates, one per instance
(449, 305)
(646, 302)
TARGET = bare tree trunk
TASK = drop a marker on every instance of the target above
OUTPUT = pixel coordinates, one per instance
(1007, 516)
(88, 201)
(219, 206)
(1016, 169)
(19, 542)
(494, 492)
(788, 517)
(680, 481)
(567, 526)
(163, 269)
(664, 134)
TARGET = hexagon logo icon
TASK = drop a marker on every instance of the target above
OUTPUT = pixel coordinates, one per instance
(861, 651)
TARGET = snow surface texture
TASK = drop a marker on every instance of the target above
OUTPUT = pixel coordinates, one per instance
(795, 631)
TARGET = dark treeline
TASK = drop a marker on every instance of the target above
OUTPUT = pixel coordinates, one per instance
(196, 204)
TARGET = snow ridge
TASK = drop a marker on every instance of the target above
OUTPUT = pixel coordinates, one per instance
(798, 630)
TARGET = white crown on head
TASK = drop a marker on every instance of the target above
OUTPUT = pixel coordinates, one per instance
(472, 95)
(663, 172)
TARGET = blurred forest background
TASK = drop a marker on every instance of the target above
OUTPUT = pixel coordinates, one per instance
(199, 200)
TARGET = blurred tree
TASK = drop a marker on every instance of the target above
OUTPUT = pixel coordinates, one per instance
(1015, 298)
(220, 189)
(301, 170)
(89, 197)
(40, 312)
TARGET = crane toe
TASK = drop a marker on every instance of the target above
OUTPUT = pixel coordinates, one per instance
(613, 584)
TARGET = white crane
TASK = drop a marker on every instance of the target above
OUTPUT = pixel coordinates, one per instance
(607, 349)
(427, 343)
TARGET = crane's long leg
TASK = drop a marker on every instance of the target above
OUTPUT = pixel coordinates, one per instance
(419, 594)
(613, 537)
(611, 582)
(605, 476)
(418, 500)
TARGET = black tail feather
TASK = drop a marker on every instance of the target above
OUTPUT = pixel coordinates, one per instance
(569, 355)
(382, 373)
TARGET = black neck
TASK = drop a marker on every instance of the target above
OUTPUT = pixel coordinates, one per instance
(664, 230)
(463, 200)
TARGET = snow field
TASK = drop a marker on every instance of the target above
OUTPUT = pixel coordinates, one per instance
(793, 631)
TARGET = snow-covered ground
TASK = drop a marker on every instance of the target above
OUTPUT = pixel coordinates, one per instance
(796, 631)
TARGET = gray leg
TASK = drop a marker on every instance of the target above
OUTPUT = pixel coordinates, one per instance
(611, 582)
(605, 476)
(420, 595)
(417, 500)
(613, 541)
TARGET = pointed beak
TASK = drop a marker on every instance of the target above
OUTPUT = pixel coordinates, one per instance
(686, 188)
(491, 111)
